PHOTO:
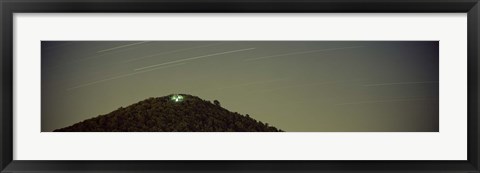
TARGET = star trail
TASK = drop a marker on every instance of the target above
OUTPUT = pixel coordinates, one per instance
(298, 86)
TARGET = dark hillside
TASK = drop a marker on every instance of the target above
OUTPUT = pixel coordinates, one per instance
(173, 113)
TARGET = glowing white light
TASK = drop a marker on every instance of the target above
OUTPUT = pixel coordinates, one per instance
(177, 98)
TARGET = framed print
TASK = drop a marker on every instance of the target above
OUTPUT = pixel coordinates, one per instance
(239, 86)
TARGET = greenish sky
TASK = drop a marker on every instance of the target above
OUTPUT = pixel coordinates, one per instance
(297, 86)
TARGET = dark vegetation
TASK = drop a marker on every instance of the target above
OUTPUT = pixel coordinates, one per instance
(163, 114)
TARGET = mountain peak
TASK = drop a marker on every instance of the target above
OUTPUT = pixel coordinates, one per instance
(172, 113)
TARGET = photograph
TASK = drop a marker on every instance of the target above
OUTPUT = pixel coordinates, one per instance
(239, 86)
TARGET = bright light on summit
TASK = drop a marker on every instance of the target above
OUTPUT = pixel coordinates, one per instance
(177, 98)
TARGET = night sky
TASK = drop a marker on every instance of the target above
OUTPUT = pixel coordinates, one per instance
(297, 86)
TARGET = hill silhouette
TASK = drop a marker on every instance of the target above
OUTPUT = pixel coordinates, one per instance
(172, 113)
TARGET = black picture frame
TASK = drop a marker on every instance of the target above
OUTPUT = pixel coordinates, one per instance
(9, 7)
